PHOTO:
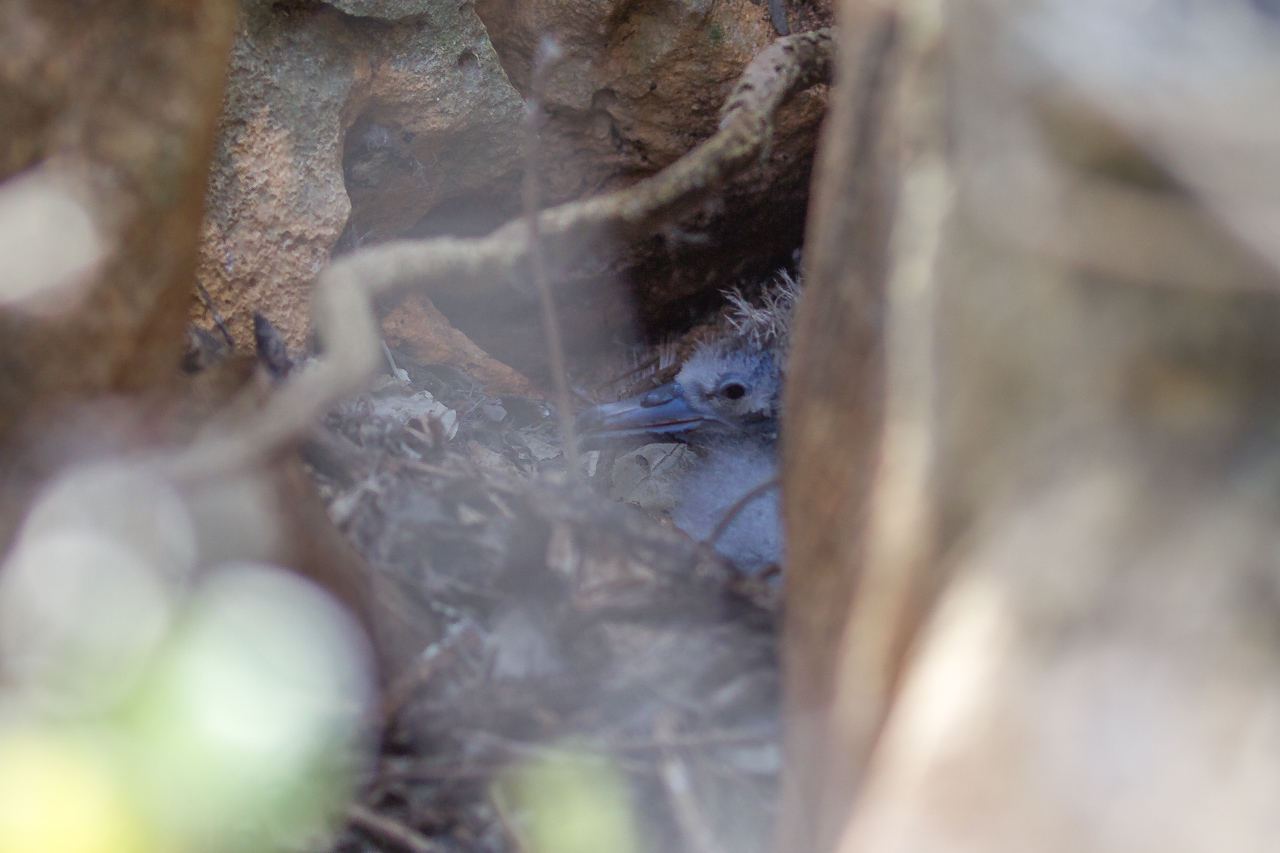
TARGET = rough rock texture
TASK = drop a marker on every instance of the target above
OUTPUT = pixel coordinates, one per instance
(277, 203)
(442, 122)
(390, 10)
(424, 92)
(356, 121)
(640, 84)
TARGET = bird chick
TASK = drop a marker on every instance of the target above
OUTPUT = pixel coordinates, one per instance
(725, 402)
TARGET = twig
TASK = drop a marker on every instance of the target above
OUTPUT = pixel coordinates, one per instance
(835, 428)
(507, 817)
(697, 835)
(493, 265)
(393, 831)
(337, 457)
(391, 362)
(522, 749)
(213, 312)
(425, 772)
(707, 739)
(648, 362)
(738, 506)
(546, 56)
(435, 773)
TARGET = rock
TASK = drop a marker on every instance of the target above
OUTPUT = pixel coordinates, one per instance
(408, 92)
(442, 123)
(639, 85)
(424, 333)
(352, 122)
(389, 10)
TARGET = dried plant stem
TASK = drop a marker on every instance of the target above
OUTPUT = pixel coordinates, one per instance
(391, 361)
(695, 830)
(548, 53)
(215, 314)
(495, 265)
(385, 829)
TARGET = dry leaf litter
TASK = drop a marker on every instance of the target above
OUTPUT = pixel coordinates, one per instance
(526, 614)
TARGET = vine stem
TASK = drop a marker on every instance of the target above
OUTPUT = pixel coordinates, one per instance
(545, 58)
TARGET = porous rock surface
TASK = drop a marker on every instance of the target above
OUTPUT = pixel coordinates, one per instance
(639, 84)
(356, 121)
(409, 91)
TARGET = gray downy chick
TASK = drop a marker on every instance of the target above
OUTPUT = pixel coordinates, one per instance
(725, 402)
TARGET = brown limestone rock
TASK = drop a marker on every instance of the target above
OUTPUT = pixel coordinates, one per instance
(388, 10)
(433, 116)
(410, 98)
(417, 327)
(277, 203)
(639, 85)
(442, 122)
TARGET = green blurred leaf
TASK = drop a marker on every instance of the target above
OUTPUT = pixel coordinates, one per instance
(569, 802)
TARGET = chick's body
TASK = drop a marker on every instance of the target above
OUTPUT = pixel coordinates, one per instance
(705, 495)
(724, 403)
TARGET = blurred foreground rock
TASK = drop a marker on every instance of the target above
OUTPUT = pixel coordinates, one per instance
(106, 119)
(111, 113)
(115, 584)
(1062, 627)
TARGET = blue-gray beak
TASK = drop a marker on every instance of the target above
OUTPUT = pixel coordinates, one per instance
(662, 414)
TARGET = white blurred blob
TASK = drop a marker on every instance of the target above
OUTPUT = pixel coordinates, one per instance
(236, 519)
(254, 717)
(274, 665)
(80, 617)
(953, 683)
(125, 502)
(48, 242)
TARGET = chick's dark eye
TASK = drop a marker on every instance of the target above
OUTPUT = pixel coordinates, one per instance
(733, 391)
